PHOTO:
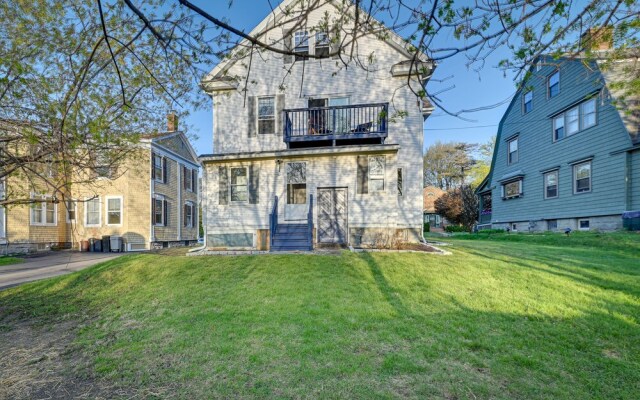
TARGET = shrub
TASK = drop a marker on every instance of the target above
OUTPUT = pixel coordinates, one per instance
(427, 227)
(455, 228)
(487, 231)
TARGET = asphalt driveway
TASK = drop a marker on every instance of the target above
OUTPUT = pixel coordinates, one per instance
(48, 265)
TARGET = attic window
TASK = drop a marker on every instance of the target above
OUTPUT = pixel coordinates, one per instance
(322, 44)
(301, 44)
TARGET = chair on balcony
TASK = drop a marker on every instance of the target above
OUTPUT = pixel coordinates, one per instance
(363, 128)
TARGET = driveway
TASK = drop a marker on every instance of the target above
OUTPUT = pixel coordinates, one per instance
(48, 265)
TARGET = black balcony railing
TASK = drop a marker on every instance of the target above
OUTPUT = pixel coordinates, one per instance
(336, 124)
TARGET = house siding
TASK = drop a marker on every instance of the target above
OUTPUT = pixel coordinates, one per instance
(325, 78)
(538, 151)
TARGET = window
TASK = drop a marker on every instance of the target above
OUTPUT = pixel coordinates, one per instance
(159, 210)
(322, 44)
(239, 184)
(296, 183)
(551, 185)
(512, 157)
(552, 224)
(400, 182)
(376, 173)
(527, 101)
(266, 115)
(114, 210)
(512, 190)
(514, 227)
(553, 84)
(103, 167)
(573, 121)
(582, 177)
(558, 127)
(588, 111)
(72, 207)
(92, 212)
(583, 224)
(159, 166)
(189, 214)
(44, 212)
(301, 44)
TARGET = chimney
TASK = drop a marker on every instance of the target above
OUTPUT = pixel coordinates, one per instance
(172, 122)
(597, 38)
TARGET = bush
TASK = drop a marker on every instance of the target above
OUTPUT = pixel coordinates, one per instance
(455, 228)
(427, 227)
(487, 231)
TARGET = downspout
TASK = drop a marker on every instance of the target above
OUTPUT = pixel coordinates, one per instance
(179, 213)
(152, 186)
(628, 180)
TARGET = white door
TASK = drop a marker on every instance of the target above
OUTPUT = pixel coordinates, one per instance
(296, 205)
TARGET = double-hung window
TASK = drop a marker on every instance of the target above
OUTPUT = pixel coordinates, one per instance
(72, 207)
(44, 212)
(114, 210)
(512, 156)
(551, 184)
(159, 210)
(582, 177)
(376, 173)
(558, 127)
(588, 111)
(158, 168)
(322, 44)
(92, 212)
(296, 183)
(239, 184)
(189, 214)
(266, 115)
(573, 121)
(553, 84)
(527, 102)
(301, 44)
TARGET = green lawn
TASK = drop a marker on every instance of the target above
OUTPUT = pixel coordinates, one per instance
(504, 317)
(4, 260)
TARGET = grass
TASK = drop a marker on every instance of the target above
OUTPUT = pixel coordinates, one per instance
(504, 317)
(5, 260)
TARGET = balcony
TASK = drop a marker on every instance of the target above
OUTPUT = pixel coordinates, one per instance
(336, 125)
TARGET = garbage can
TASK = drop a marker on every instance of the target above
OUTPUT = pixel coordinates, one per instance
(98, 245)
(631, 220)
(116, 243)
(106, 245)
(92, 244)
(84, 245)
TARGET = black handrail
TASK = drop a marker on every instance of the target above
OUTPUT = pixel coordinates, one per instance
(273, 221)
(336, 121)
(310, 222)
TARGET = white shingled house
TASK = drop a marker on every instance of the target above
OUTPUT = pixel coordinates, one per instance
(307, 151)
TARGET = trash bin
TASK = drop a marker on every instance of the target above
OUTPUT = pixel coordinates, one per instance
(116, 243)
(106, 246)
(631, 220)
(84, 245)
(92, 244)
(97, 245)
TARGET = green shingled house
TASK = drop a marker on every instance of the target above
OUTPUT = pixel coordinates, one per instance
(567, 151)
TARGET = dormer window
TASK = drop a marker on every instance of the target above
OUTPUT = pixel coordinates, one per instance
(322, 44)
(553, 84)
(527, 101)
(301, 44)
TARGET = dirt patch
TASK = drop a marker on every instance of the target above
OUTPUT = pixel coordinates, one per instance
(40, 361)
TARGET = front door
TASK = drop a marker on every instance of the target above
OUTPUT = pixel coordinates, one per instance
(332, 215)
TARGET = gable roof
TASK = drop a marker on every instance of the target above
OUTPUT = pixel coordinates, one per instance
(162, 139)
(393, 39)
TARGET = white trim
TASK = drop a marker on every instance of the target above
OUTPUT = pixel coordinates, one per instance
(84, 220)
(161, 197)
(159, 149)
(75, 210)
(588, 223)
(193, 212)
(246, 169)
(384, 174)
(43, 212)
(556, 172)
(162, 164)
(180, 189)
(106, 209)
(575, 177)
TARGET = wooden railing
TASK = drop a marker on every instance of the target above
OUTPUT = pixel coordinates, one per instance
(273, 220)
(336, 122)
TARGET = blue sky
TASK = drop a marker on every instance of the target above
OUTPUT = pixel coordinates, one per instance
(462, 88)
